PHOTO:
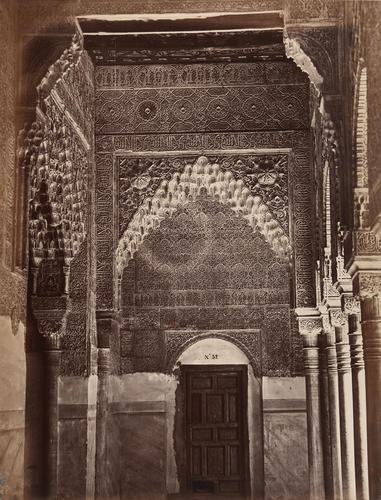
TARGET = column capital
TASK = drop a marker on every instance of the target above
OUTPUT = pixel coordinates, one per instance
(351, 305)
(368, 284)
(310, 324)
(51, 321)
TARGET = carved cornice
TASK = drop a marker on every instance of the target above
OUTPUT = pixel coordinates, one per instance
(159, 48)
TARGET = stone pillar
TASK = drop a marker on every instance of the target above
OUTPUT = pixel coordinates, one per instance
(346, 414)
(325, 415)
(371, 328)
(333, 389)
(52, 353)
(51, 325)
(310, 325)
(315, 449)
(101, 428)
(359, 408)
(107, 327)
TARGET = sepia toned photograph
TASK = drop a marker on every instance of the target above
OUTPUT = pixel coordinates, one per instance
(190, 249)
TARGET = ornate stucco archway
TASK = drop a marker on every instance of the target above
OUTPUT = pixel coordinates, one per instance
(202, 178)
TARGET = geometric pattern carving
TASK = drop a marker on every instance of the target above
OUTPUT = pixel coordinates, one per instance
(192, 109)
(171, 134)
(299, 171)
(201, 179)
(204, 269)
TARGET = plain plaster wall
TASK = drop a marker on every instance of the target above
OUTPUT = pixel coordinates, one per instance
(12, 409)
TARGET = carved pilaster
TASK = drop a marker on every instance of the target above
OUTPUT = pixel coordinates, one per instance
(346, 413)
(309, 323)
(359, 405)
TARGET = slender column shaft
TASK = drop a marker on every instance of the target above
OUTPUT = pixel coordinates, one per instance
(359, 408)
(371, 328)
(101, 489)
(346, 414)
(333, 388)
(107, 334)
(315, 452)
(52, 356)
(325, 415)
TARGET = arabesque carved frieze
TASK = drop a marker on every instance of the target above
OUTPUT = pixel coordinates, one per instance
(201, 141)
(196, 75)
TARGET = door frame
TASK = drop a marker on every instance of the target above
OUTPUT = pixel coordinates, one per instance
(181, 436)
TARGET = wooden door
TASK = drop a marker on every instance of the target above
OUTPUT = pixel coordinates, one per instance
(216, 429)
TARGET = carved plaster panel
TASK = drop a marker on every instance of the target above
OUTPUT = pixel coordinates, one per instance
(204, 269)
(210, 109)
(301, 172)
(263, 175)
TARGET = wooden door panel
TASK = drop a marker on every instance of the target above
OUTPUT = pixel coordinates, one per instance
(215, 420)
(196, 460)
(232, 411)
(202, 434)
(228, 434)
(215, 461)
(227, 382)
(214, 408)
(202, 382)
(196, 413)
(234, 459)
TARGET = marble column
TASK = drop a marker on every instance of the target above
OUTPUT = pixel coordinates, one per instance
(346, 414)
(371, 328)
(51, 325)
(359, 407)
(101, 488)
(334, 411)
(325, 415)
(107, 328)
(315, 449)
(52, 354)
